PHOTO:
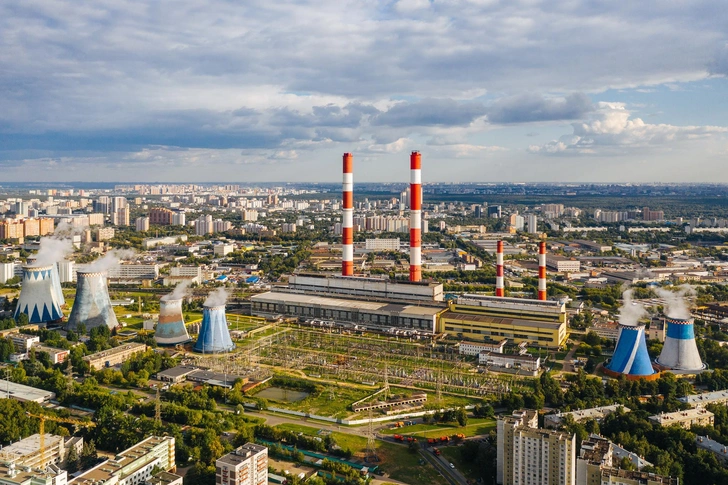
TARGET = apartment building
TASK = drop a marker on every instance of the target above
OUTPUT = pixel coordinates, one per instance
(26, 452)
(527, 455)
(686, 419)
(111, 357)
(247, 465)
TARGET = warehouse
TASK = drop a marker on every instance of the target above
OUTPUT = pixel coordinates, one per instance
(19, 392)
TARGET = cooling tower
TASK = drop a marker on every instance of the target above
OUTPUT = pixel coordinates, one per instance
(630, 356)
(679, 351)
(38, 296)
(55, 278)
(171, 328)
(214, 334)
(92, 306)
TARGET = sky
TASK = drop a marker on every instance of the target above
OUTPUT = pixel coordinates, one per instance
(260, 90)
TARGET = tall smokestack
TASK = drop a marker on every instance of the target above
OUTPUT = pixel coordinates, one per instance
(347, 230)
(542, 270)
(499, 286)
(415, 217)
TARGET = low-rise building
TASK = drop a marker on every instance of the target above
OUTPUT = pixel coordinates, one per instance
(718, 449)
(51, 475)
(598, 413)
(525, 362)
(23, 342)
(686, 419)
(112, 357)
(247, 465)
(164, 478)
(57, 356)
(133, 466)
(561, 264)
(177, 374)
(19, 392)
(473, 348)
(26, 452)
(714, 397)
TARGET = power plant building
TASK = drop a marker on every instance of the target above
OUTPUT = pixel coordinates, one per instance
(366, 287)
(478, 317)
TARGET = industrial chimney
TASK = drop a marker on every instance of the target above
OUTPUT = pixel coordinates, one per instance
(171, 328)
(38, 295)
(680, 351)
(499, 283)
(415, 217)
(347, 229)
(92, 306)
(214, 335)
(542, 271)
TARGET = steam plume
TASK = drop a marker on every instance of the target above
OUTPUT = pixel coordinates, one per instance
(110, 259)
(217, 297)
(53, 250)
(630, 313)
(179, 292)
(675, 304)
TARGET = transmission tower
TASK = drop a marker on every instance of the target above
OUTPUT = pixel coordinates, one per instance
(371, 452)
(386, 381)
(439, 386)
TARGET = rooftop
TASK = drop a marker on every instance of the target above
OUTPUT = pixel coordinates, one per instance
(678, 416)
(347, 304)
(24, 393)
(705, 398)
(711, 445)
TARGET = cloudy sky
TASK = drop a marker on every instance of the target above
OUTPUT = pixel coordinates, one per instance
(487, 90)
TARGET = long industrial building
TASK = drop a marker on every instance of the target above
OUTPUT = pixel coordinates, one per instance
(478, 317)
(366, 287)
(379, 313)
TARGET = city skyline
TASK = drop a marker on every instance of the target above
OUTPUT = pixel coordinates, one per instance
(487, 91)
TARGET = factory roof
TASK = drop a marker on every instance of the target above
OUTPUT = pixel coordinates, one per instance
(705, 398)
(175, 372)
(24, 393)
(346, 304)
(516, 322)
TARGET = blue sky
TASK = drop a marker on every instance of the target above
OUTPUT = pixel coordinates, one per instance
(487, 90)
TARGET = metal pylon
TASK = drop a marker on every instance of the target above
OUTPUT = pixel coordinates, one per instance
(371, 452)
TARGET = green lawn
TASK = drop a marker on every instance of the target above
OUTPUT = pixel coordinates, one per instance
(475, 426)
(395, 460)
(324, 405)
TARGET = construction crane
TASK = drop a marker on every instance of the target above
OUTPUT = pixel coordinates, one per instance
(56, 419)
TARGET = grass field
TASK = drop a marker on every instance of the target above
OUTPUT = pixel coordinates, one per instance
(395, 460)
(324, 404)
(475, 426)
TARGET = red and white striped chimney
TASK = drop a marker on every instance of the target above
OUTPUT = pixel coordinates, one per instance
(499, 284)
(542, 270)
(347, 229)
(415, 217)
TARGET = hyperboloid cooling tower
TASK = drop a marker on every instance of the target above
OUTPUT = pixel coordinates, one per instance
(679, 351)
(630, 356)
(56, 279)
(38, 295)
(171, 328)
(92, 306)
(214, 334)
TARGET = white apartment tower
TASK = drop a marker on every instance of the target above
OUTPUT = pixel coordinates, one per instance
(248, 465)
(527, 455)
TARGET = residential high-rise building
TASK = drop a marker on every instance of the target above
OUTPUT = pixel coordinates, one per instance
(142, 224)
(7, 272)
(532, 222)
(159, 216)
(204, 225)
(527, 455)
(248, 465)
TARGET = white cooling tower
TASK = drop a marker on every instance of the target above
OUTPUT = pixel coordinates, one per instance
(38, 296)
(171, 328)
(680, 351)
(92, 306)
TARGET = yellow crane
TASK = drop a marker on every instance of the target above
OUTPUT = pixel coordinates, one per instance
(56, 419)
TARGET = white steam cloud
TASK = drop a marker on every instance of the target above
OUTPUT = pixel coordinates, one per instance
(217, 297)
(179, 292)
(630, 312)
(675, 304)
(110, 259)
(53, 250)
(66, 229)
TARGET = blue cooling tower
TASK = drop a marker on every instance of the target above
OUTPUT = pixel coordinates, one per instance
(214, 334)
(630, 355)
(679, 351)
(39, 298)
